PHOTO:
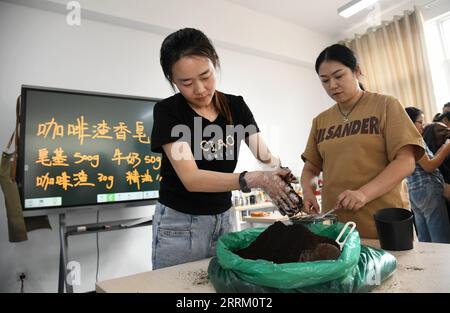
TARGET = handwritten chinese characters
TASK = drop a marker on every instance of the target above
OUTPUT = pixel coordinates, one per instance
(81, 130)
(64, 180)
(80, 169)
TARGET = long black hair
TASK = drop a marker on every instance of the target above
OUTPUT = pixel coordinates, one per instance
(413, 113)
(338, 53)
(192, 42)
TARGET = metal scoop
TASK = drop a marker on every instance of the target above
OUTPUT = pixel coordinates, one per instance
(311, 217)
(327, 213)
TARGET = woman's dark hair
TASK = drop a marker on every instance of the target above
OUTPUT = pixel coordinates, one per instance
(439, 117)
(192, 42)
(338, 53)
(447, 105)
(413, 113)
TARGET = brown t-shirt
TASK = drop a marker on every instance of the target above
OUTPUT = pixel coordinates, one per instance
(352, 154)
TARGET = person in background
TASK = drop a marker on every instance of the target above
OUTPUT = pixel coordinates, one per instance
(365, 145)
(426, 187)
(199, 131)
(436, 117)
(435, 135)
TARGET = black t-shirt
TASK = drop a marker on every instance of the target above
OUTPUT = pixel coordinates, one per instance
(215, 146)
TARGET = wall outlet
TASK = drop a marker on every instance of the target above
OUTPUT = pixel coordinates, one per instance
(22, 276)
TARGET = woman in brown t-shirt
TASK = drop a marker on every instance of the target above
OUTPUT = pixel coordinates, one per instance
(365, 145)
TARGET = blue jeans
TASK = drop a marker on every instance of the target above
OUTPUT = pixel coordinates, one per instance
(181, 238)
(430, 213)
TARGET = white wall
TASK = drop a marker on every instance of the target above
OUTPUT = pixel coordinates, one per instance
(267, 61)
(229, 24)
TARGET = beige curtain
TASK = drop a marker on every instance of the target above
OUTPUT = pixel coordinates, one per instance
(393, 61)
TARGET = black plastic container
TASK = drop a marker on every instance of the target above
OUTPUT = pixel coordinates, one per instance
(395, 229)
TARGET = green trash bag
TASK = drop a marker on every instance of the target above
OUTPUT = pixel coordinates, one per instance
(358, 269)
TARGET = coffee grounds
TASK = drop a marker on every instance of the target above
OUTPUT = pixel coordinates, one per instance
(199, 277)
(293, 196)
(281, 243)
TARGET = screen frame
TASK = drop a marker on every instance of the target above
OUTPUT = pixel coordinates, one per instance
(21, 151)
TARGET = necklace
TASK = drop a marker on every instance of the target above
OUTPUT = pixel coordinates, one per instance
(345, 116)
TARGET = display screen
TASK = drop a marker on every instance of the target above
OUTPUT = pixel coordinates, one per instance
(82, 148)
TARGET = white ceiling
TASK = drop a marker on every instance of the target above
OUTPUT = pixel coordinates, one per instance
(321, 15)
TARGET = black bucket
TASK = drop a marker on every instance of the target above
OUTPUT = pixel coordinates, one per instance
(395, 229)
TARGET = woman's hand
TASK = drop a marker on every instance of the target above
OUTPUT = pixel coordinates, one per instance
(274, 184)
(310, 173)
(310, 201)
(352, 200)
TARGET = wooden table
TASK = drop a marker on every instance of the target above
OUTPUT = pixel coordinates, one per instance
(423, 269)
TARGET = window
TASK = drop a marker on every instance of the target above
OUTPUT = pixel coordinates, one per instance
(437, 33)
